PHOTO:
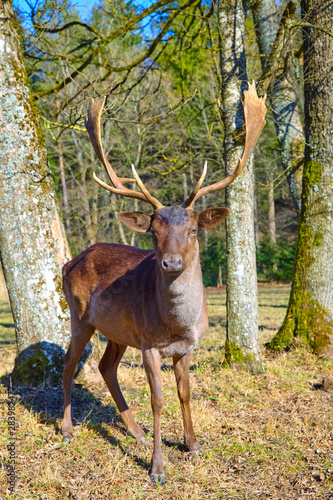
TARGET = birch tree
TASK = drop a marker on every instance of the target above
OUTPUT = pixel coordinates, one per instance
(32, 240)
(310, 311)
(242, 343)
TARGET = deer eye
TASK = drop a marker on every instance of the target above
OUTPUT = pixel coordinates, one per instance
(193, 231)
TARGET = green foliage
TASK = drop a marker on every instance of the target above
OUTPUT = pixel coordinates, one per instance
(275, 262)
(211, 260)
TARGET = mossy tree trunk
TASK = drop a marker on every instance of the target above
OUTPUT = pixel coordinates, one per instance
(310, 311)
(32, 239)
(242, 343)
(281, 95)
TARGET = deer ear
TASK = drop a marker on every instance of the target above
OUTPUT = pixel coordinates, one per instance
(135, 220)
(212, 217)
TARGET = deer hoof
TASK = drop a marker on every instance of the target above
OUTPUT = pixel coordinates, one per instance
(158, 478)
(144, 441)
(195, 448)
(67, 438)
(195, 453)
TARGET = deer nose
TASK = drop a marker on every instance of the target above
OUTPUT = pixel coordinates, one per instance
(173, 264)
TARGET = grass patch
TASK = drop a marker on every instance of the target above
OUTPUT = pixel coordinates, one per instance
(7, 330)
(265, 437)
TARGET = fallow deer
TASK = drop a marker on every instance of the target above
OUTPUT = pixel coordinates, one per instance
(151, 300)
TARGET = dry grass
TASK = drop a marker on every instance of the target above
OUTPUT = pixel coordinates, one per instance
(267, 437)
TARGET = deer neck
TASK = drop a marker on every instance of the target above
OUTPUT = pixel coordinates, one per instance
(180, 299)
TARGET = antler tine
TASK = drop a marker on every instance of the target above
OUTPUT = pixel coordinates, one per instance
(254, 112)
(93, 128)
(190, 200)
(153, 201)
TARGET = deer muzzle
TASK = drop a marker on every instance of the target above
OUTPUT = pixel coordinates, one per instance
(173, 264)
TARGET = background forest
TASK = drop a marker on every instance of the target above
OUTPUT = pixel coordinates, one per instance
(162, 115)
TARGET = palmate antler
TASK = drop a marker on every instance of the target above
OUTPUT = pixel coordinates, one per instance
(254, 111)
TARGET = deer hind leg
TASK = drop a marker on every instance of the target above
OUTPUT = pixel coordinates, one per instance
(108, 367)
(181, 367)
(81, 334)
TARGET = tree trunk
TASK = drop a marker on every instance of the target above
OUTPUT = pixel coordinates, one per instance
(256, 222)
(63, 179)
(242, 343)
(64, 187)
(282, 96)
(310, 311)
(32, 239)
(271, 210)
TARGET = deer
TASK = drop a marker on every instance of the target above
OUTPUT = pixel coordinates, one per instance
(152, 300)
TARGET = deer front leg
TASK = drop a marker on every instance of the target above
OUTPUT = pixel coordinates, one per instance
(181, 367)
(152, 364)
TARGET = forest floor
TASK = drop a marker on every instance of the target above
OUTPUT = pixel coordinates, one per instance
(263, 437)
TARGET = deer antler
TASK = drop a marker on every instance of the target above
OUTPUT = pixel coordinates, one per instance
(254, 111)
(94, 130)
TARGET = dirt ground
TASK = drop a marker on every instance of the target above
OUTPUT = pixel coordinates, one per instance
(264, 437)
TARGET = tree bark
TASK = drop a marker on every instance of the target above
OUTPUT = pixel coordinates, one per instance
(281, 95)
(310, 311)
(64, 187)
(271, 210)
(32, 239)
(63, 181)
(242, 343)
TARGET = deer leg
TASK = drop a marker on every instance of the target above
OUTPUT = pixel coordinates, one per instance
(181, 367)
(81, 334)
(108, 367)
(152, 364)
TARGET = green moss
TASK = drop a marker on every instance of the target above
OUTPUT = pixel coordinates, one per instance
(233, 354)
(39, 363)
(33, 370)
(284, 337)
(308, 320)
(312, 175)
(236, 358)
